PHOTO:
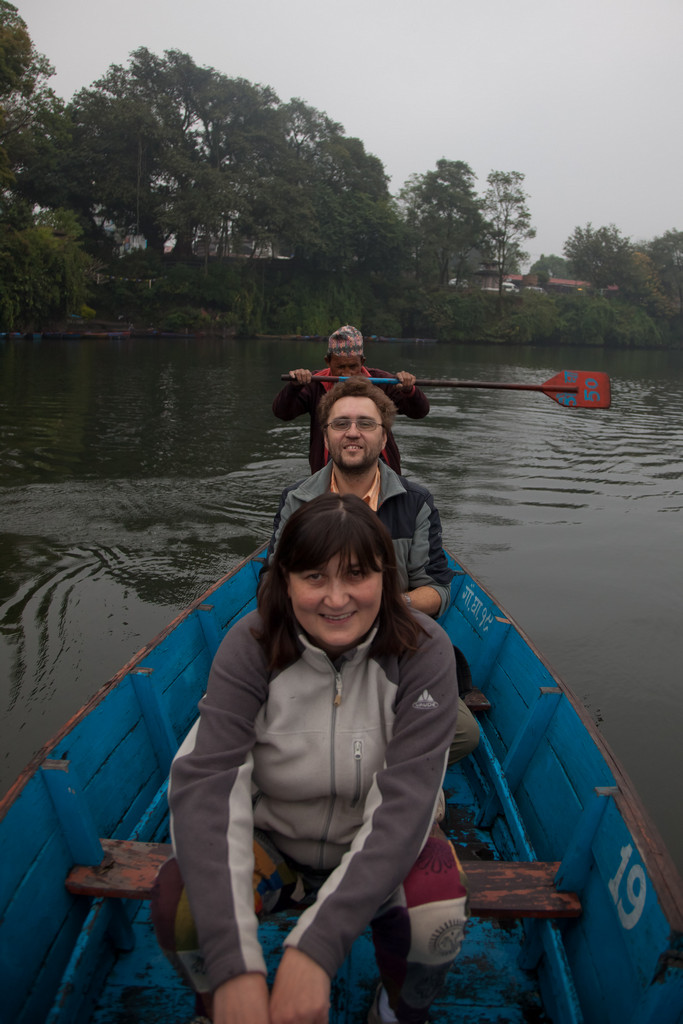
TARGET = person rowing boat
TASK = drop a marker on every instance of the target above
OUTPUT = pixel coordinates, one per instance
(345, 358)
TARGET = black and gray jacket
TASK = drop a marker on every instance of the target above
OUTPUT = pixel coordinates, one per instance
(407, 510)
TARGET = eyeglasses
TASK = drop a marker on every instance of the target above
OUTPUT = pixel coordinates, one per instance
(363, 423)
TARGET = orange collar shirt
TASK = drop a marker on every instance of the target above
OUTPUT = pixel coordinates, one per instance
(371, 496)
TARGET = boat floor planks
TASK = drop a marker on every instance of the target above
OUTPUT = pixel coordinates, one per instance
(485, 985)
(144, 988)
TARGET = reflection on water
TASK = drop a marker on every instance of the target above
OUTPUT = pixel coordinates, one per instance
(136, 472)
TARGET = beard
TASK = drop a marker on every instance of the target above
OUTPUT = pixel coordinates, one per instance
(356, 464)
(356, 468)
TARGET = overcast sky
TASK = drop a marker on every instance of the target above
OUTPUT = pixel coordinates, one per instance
(582, 97)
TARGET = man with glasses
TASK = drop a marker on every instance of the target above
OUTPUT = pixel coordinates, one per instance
(345, 359)
(355, 417)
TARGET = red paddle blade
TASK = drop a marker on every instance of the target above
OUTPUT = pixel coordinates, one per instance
(584, 389)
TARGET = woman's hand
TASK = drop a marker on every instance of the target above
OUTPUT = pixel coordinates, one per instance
(242, 1000)
(301, 993)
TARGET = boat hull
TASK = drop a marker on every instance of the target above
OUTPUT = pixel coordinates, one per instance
(542, 785)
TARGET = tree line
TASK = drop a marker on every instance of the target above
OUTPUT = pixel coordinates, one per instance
(264, 216)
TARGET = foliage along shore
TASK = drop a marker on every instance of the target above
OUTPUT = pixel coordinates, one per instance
(248, 298)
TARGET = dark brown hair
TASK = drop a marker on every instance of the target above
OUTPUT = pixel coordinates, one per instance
(357, 387)
(328, 525)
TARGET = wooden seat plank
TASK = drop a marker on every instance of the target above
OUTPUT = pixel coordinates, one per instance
(127, 870)
(476, 701)
(500, 889)
(517, 889)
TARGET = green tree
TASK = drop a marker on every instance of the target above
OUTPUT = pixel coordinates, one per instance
(42, 265)
(553, 266)
(508, 222)
(43, 272)
(21, 72)
(168, 149)
(238, 149)
(334, 208)
(29, 109)
(115, 162)
(357, 222)
(602, 256)
(309, 137)
(444, 218)
(643, 287)
(666, 253)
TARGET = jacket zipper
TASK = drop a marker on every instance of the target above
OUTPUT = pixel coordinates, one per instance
(333, 789)
(358, 758)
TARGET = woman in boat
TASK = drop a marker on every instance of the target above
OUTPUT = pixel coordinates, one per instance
(312, 780)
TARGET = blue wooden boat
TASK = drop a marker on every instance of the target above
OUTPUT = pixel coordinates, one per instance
(577, 908)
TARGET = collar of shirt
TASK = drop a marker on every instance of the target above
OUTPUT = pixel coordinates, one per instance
(371, 496)
(328, 384)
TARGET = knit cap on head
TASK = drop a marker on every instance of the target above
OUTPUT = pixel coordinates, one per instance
(347, 341)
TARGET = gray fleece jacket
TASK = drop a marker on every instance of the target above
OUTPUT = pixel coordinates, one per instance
(349, 786)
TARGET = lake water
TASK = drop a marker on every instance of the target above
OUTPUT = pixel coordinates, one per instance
(133, 473)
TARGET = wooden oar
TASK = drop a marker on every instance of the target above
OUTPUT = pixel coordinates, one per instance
(580, 389)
